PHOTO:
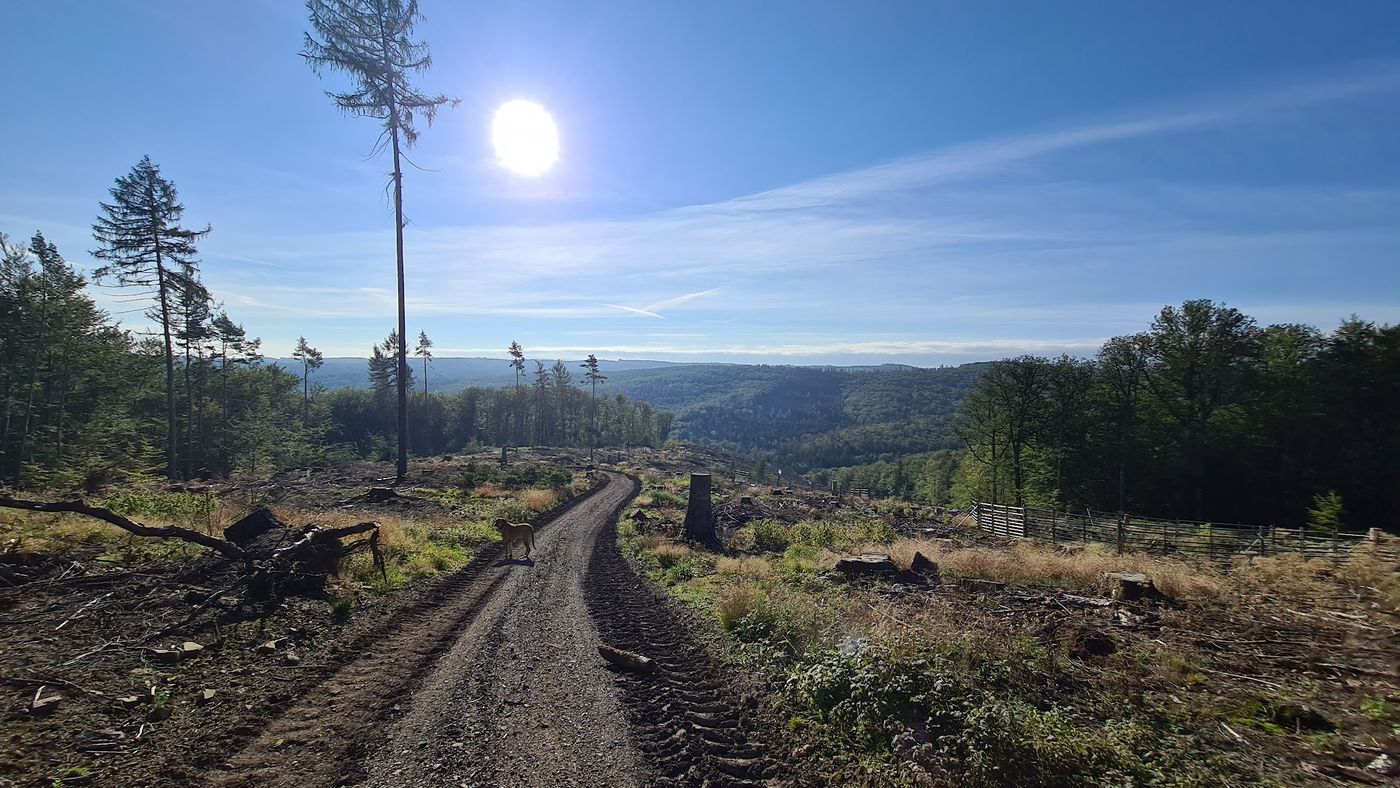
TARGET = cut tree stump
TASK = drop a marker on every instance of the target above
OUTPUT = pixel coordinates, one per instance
(255, 524)
(867, 565)
(1132, 586)
(922, 566)
(699, 512)
(626, 660)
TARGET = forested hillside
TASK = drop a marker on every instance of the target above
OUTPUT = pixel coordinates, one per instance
(793, 416)
(1205, 415)
(809, 417)
(450, 373)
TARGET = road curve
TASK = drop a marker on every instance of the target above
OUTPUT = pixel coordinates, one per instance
(498, 683)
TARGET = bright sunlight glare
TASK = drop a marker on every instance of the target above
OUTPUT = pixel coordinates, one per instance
(525, 137)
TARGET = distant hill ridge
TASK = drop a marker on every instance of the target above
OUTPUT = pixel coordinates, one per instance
(804, 416)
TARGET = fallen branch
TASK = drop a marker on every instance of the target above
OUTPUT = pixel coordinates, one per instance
(108, 516)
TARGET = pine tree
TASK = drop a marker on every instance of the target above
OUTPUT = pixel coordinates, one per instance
(195, 309)
(517, 363)
(310, 359)
(144, 246)
(234, 348)
(370, 41)
(592, 377)
(425, 352)
(542, 431)
(563, 381)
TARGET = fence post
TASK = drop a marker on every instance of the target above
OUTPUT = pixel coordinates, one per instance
(1263, 543)
(1122, 527)
(1053, 535)
(1210, 540)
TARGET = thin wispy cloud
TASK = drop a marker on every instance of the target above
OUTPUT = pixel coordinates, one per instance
(980, 235)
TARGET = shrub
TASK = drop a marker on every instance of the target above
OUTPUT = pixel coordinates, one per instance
(665, 499)
(800, 558)
(512, 510)
(734, 603)
(770, 535)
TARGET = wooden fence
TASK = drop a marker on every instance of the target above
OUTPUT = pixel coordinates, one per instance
(1130, 533)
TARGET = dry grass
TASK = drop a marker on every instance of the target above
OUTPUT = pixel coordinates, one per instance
(734, 602)
(1030, 563)
(745, 566)
(539, 500)
(670, 553)
(490, 490)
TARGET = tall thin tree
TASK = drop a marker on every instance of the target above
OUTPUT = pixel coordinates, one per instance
(144, 246)
(425, 352)
(517, 363)
(592, 377)
(310, 359)
(371, 42)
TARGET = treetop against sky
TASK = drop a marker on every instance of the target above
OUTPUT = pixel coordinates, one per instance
(783, 181)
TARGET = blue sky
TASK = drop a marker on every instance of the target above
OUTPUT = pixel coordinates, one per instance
(790, 182)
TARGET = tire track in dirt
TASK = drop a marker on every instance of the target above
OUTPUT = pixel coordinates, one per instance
(522, 698)
(687, 721)
(322, 739)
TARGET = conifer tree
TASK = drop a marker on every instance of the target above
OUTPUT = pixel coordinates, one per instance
(371, 42)
(144, 245)
(592, 377)
(517, 363)
(310, 359)
(425, 352)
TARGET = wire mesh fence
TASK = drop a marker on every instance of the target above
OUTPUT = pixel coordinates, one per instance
(1215, 541)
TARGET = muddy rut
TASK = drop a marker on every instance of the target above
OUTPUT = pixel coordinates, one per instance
(497, 682)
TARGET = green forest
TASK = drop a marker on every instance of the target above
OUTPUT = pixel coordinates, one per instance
(85, 402)
(808, 417)
(1205, 415)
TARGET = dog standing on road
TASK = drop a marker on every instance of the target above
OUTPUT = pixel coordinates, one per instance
(511, 533)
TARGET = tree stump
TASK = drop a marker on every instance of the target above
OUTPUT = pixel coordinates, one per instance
(699, 512)
(1132, 585)
(867, 565)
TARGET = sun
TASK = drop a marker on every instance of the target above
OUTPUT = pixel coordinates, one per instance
(525, 137)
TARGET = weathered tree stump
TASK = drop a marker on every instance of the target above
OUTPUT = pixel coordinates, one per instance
(925, 568)
(699, 512)
(1132, 586)
(867, 565)
(255, 524)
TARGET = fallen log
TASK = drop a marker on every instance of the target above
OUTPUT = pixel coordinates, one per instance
(626, 660)
(108, 516)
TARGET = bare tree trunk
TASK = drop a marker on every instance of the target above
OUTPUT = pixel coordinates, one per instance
(171, 436)
(402, 468)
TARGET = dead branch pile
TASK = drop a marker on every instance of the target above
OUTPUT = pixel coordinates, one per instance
(274, 556)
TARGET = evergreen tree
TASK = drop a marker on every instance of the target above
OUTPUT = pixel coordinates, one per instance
(144, 245)
(425, 352)
(234, 349)
(592, 377)
(310, 359)
(543, 434)
(371, 42)
(517, 364)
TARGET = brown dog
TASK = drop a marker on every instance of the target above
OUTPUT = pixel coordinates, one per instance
(511, 533)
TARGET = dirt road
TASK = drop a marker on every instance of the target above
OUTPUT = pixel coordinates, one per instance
(498, 683)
